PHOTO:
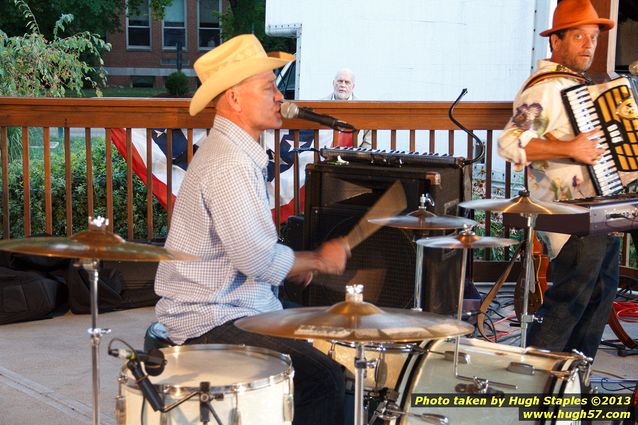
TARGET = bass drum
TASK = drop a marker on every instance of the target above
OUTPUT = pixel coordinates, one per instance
(248, 385)
(529, 371)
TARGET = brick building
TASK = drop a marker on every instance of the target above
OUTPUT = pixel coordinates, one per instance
(146, 50)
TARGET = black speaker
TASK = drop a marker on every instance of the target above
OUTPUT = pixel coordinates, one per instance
(337, 196)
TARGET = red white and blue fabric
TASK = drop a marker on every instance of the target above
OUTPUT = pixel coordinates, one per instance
(180, 164)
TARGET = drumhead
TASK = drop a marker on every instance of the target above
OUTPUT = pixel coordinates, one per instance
(227, 367)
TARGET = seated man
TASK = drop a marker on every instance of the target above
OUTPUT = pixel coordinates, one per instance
(343, 89)
(222, 215)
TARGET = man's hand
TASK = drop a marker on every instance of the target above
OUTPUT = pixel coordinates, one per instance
(583, 148)
(301, 278)
(333, 255)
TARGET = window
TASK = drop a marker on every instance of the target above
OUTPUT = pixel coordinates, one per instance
(174, 25)
(138, 27)
(208, 28)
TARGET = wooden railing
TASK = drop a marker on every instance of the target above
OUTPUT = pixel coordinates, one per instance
(417, 126)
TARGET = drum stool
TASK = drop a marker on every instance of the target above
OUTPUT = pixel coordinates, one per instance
(156, 337)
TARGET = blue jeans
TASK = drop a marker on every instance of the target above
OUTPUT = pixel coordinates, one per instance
(576, 307)
(319, 381)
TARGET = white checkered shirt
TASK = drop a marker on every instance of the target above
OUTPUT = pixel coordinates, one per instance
(223, 216)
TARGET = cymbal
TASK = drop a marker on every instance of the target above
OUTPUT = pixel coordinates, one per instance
(523, 204)
(424, 220)
(93, 244)
(465, 240)
(354, 321)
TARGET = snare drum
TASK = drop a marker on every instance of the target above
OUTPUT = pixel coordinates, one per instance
(530, 371)
(387, 360)
(248, 385)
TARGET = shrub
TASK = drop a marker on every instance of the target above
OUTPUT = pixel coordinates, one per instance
(79, 193)
(177, 84)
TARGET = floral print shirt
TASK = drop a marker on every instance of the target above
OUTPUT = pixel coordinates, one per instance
(539, 111)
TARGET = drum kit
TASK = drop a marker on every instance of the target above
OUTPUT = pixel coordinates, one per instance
(89, 247)
(354, 327)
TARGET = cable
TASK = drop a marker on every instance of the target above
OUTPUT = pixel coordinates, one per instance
(122, 341)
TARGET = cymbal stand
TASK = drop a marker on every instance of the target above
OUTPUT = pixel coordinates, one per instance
(526, 318)
(360, 365)
(459, 314)
(91, 267)
(418, 273)
(459, 309)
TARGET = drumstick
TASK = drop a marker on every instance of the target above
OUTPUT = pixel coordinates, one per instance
(389, 205)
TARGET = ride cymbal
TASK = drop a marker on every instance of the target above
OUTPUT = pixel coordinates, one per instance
(93, 244)
(354, 320)
(523, 204)
(466, 241)
(422, 220)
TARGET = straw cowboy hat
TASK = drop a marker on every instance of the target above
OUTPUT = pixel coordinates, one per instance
(230, 63)
(573, 13)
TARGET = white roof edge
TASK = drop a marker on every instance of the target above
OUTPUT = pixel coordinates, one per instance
(283, 30)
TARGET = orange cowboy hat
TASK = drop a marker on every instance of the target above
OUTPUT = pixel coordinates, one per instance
(231, 63)
(573, 13)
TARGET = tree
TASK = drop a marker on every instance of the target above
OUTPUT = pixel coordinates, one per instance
(249, 17)
(97, 16)
(32, 65)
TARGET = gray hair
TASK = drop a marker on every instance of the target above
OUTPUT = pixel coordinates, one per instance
(345, 71)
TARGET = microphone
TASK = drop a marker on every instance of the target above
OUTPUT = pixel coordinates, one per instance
(148, 390)
(290, 110)
(154, 361)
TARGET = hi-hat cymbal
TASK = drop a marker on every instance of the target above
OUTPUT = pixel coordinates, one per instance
(523, 204)
(354, 321)
(423, 220)
(94, 244)
(465, 240)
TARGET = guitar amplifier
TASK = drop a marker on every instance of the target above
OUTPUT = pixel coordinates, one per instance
(337, 196)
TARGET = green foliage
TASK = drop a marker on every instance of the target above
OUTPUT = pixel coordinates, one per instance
(97, 16)
(79, 192)
(177, 83)
(249, 17)
(496, 226)
(33, 65)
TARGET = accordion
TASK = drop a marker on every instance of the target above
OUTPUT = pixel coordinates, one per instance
(611, 108)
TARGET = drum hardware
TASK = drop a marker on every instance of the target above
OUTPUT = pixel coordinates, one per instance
(420, 222)
(584, 367)
(120, 401)
(355, 321)
(462, 358)
(528, 369)
(485, 382)
(529, 208)
(464, 240)
(480, 386)
(388, 410)
(431, 418)
(90, 246)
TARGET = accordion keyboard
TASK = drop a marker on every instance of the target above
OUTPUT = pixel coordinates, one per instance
(611, 108)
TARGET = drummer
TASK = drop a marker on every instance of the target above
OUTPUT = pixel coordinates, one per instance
(222, 215)
(584, 269)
